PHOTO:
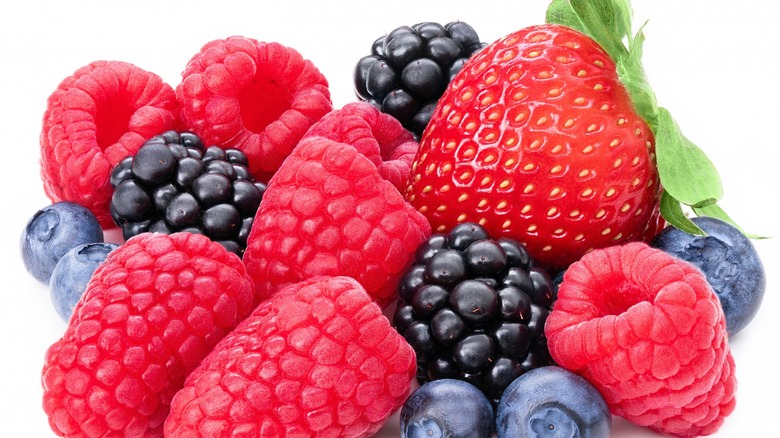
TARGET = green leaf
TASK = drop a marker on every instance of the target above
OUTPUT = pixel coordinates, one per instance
(632, 75)
(561, 12)
(673, 213)
(685, 171)
(715, 211)
(608, 22)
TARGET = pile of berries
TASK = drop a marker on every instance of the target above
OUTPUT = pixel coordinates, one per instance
(248, 296)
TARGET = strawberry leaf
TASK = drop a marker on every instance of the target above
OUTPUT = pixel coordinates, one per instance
(685, 171)
(715, 211)
(673, 213)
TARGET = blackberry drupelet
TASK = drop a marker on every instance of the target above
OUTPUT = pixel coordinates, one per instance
(409, 68)
(175, 183)
(474, 309)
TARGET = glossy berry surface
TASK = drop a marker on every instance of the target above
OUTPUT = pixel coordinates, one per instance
(474, 309)
(438, 409)
(409, 68)
(52, 232)
(551, 402)
(538, 140)
(729, 262)
(73, 272)
(175, 183)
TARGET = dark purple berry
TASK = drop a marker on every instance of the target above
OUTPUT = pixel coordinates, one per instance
(153, 164)
(183, 210)
(399, 104)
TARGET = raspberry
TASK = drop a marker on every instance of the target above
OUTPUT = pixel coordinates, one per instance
(152, 311)
(174, 183)
(647, 330)
(254, 96)
(327, 211)
(96, 117)
(318, 358)
(374, 134)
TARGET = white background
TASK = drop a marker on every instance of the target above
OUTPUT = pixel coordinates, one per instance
(712, 63)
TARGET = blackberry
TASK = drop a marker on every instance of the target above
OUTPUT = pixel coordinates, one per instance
(409, 68)
(474, 309)
(174, 183)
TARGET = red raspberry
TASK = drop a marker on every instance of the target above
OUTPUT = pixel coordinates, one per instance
(255, 96)
(94, 119)
(317, 359)
(648, 331)
(377, 135)
(151, 312)
(328, 211)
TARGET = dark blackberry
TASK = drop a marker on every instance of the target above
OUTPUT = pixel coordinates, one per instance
(409, 69)
(474, 309)
(174, 183)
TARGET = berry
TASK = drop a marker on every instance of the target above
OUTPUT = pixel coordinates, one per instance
(152, 311)
(374, 134)
(647, 330)
(537, 139)
(436, 409)
(96, 117)
(328, 211)
(72, 273)
(52, 232)
(174, 183)
(408, 70)
(253, 96)
(552, 402)
(728, 260)
(473, 310)
(317, 359)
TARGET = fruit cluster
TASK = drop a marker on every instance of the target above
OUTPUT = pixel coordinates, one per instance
(523, 242)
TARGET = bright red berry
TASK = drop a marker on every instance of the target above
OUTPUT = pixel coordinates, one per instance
(152, 311)
(317, 359)
(96, 117)
(378, 136)
(329, 211)
(537, 140)
(648, 331)
(255, 96)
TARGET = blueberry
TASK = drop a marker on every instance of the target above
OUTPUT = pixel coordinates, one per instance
(52, 232)
(729, 262)
(552, 402)
(437, 408)
(73, 272)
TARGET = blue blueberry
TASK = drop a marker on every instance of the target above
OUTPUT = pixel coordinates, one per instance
(728, 260)
(551, 402)
(446, 408)
(53, 231)
(73, 272)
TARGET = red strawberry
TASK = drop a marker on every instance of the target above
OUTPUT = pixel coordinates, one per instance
(317, 359)
(151, 312)
(537, 140)
(330, 211)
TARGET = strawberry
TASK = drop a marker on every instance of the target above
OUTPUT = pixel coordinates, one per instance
(538, 140)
